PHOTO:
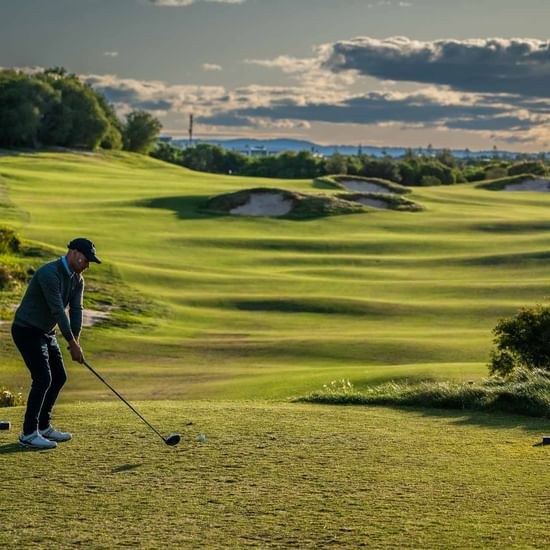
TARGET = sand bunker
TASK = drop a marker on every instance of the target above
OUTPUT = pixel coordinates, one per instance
(92, 316)
(529, 185)
(264, 204)
(364, 186)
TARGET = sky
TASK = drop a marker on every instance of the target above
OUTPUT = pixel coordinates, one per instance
(459, 74)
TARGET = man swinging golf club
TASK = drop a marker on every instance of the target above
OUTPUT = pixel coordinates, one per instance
(53, 286)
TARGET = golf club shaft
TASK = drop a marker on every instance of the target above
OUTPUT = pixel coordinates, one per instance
(88, 366)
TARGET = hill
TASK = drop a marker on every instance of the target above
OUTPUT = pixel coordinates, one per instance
(259, 307)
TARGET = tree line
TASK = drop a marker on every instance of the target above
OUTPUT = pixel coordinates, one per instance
(54, 108)
(412, 168)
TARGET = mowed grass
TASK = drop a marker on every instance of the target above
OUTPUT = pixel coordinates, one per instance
(270, 308)
(277, 475)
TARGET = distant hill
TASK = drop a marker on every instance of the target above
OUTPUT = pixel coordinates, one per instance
(275, 146)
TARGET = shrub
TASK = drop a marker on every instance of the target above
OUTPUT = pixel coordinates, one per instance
(9, 398)
(522, 341)
(9, 241)
(524, 392)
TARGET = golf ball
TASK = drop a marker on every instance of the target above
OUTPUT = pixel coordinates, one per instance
(201, 438)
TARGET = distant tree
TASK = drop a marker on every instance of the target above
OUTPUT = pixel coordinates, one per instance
(336, 164)
(446, 157)
(141, 132)
(385, 168)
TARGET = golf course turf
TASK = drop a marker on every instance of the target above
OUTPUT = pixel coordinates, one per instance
(218, 320)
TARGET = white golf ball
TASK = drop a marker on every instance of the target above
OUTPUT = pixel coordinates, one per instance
(201, 438)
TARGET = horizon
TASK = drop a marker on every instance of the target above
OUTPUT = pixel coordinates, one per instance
(386, 73)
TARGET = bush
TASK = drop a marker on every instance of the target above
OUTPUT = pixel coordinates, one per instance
(9, 398)
(524, 392)
(9, 241)
(522, 341)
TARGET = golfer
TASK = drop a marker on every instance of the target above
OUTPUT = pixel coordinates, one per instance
(54, 286)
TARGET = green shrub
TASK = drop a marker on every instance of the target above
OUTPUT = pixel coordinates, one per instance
(9, 398)
(9, 241)
(522, 341)
(524, 391)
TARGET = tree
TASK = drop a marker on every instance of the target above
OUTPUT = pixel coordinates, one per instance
(23, 101)
(522, 341)
(336, 164)
(141, 132)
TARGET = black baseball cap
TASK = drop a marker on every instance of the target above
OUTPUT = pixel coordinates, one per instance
(85, 246)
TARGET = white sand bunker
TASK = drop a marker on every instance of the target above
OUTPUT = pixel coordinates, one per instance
(264, 204)
(375, 203)
(364, 186)
(92, 316)
(529, 185)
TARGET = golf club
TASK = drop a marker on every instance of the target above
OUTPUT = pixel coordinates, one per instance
(172, 439)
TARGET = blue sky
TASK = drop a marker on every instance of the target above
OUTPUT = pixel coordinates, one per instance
(456, 73)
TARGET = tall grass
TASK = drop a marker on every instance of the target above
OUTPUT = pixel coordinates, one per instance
(523, 392)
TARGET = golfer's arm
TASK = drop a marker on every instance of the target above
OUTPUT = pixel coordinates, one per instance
(51, 288)
(76, 306)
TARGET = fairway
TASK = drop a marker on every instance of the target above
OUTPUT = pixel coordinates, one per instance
(278, 475)
(219, 320)
(271, 308)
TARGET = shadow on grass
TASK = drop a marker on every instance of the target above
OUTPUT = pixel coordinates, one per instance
(486, 419)
(125, 468)
(188, 207)
(16, 448)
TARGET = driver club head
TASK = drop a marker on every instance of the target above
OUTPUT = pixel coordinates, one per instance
(172, 439)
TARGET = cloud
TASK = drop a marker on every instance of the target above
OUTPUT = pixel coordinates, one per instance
(179, 3)
(110, 54)
(492, 65)
(211, 67)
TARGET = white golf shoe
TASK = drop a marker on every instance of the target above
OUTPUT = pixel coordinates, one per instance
(54, 435)
(36, 441)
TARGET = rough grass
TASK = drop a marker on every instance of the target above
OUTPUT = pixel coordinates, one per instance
(304, 205)
(501, 183)
(277, 476)
(335, 182)
(393, 202)
(524, 392)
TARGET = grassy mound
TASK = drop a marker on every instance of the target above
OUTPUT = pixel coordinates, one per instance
(379, 200)
(303, 205)
(525, 392)
(337, 182)
(276, 475)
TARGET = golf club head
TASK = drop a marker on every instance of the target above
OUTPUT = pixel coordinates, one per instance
(172, 439)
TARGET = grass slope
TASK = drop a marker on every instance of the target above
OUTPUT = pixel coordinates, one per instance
(277, 475)
(253, 307)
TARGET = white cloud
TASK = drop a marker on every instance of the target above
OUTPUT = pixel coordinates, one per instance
(211, 67)
(110, 54)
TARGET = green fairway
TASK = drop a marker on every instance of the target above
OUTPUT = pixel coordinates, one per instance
(269, 308)
(277, 475)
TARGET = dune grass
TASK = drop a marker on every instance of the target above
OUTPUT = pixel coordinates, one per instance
(257, 307)
(275, 475)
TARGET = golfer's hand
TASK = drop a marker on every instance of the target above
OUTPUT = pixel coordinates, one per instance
(76, 351)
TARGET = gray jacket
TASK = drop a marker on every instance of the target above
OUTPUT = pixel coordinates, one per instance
(50, 291)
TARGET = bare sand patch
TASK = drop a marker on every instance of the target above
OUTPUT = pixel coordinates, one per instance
(542, 185)
(92, 316)
(375, 203)
(264, 204)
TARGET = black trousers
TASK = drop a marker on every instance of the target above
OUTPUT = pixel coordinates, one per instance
(43, 358)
